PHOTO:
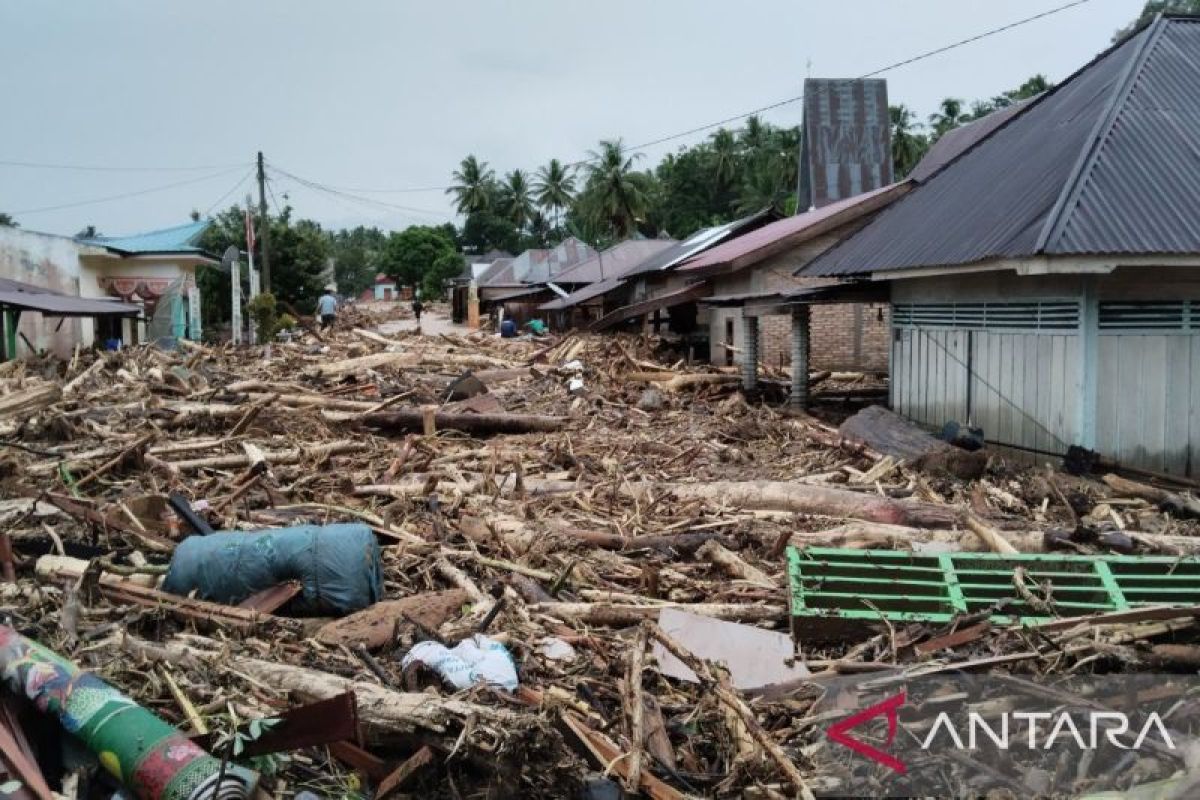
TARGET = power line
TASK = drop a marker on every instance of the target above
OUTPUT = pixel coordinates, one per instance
(797, 98)
(888, 68)
(232, 189)
(101, 168)
(151, 190)
(347, 195)
(274, 202)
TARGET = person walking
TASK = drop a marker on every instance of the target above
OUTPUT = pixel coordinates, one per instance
(417, 307)
(327, 308)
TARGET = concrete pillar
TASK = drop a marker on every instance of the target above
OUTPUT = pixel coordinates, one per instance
(749, 353)
(799, 396)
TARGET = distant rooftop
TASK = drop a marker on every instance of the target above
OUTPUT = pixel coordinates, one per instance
(180, 239)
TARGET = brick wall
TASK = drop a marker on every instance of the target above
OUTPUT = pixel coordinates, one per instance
(842, 337)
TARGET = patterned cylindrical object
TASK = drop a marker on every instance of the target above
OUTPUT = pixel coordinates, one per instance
(799, 398)
(749, 353)
(143, 752)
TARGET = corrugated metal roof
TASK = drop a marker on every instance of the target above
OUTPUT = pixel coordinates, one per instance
(661, 261)
(499, 272)
(614, 261)
(57, 304)
(767, 240)
(954, 142)
(1108, 162)
(700, 241)
(180, 239)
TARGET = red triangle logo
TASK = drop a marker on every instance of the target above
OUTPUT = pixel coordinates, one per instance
(890, 707)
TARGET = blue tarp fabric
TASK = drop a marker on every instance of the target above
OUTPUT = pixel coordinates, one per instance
(338, 566)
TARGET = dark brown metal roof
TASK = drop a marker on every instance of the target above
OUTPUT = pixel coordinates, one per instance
(1108, 162)
(26, 296)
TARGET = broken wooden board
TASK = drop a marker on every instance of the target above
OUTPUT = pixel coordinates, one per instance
(374, 626)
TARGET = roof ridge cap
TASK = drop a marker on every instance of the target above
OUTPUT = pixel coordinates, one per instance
(1068, 198)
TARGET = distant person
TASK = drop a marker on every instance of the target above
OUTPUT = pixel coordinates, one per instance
(418, 307)
(327, 308)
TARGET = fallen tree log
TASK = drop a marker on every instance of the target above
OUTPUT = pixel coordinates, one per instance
(293, 455)
(383, 712)
(1178, 504)
(808, 499)
(674, 382)
(411, 420)
(26, 401)
(893, 435)
(374, 361)
(618, 614)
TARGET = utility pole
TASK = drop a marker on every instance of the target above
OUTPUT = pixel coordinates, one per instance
(266, 225)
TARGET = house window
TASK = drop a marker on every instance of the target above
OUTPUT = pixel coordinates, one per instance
(1171, 315)
(1033, 315)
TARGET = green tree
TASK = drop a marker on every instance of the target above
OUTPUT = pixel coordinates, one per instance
(755, 135)
(300, 253)
(725, 157)
(421, 256)
(1153, 7)
(909, 145)
(356, 255)
(6, 220)
(615, 193)
(473, 186)
(948, 117)
(516, 200)
(554, 189)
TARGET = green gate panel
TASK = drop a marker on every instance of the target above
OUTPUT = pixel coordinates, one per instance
(836, 592)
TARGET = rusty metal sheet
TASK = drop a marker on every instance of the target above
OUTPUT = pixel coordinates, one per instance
(373, 626)
(319, 723)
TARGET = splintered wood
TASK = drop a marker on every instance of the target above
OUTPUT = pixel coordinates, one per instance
(563, 523)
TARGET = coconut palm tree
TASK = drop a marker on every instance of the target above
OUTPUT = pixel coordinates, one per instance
(554, 189)
(516, 202)
(617, 194)
(948, 117)
(908, 145)
(755, 134)
(725, 155)
(472, 188)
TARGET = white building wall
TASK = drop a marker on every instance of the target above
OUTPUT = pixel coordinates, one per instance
(49, 261)
(1027, 387)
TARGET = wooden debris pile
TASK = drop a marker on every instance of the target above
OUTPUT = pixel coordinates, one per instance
(557, 496)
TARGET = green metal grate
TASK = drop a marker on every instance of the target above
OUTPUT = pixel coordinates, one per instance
(834, 588)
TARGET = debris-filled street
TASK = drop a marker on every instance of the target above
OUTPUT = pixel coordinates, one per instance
(455, 565)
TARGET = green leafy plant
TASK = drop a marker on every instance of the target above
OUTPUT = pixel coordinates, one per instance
(264, 312)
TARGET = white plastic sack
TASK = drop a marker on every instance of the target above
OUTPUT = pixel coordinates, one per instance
(471, 661)
(573, 366)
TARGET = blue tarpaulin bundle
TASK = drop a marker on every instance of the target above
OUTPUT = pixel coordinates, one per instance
(338, 566)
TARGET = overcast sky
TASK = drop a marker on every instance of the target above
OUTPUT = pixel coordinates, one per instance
(391, 94)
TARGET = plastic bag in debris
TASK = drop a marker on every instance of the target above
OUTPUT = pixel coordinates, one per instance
(572, 366)
(556, 649)
(338, 566)
(471, 661)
